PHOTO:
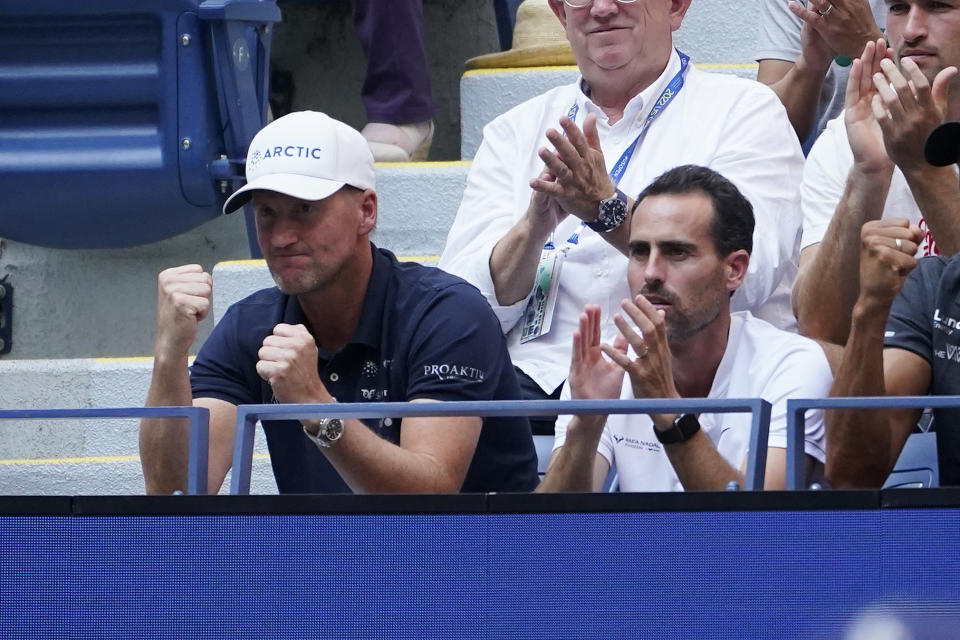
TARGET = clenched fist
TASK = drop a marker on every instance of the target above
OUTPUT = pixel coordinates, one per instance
(288, 361)
(183, 300)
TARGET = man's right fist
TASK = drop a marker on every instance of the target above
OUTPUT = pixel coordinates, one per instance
(887, 248)
(183, 300)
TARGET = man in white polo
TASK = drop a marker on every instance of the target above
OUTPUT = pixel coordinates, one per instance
(690, 244)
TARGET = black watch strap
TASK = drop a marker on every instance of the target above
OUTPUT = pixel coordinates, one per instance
(682, 429)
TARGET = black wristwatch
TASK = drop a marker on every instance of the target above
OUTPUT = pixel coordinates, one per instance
(682, 429)
(611, 213)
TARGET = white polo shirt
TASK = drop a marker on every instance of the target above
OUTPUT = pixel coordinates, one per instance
(760, 361)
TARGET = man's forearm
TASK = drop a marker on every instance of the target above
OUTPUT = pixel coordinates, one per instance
(799, 91)
(937, 193)
(514, 260)
(370, 464)
(858, 441)
(699, 466)
(827, 287)
(572, 467)
(164, 442)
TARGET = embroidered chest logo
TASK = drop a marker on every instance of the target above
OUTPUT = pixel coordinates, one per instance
(370, 371)
(634, 443)
(455, 372)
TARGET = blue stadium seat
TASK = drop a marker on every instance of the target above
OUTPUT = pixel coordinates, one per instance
(917, 467)
(123, 123)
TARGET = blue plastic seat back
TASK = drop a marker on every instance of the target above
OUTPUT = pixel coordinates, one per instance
(917, 467)
(113, 127)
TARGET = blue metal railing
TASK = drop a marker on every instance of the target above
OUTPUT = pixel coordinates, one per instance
(796, 417)
(247, 416)
(199, 418)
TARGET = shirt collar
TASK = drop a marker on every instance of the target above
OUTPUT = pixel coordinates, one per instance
(368, 330)
(642, 103)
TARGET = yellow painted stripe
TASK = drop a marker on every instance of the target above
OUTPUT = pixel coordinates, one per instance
(88, 460)
(418, 258)
(554, 69)
(262, 263)
(727, 65)
(250, 262)
(488, 72)
(437, 164)
(131, 359)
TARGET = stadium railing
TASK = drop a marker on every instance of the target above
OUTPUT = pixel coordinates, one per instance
(248, 415)
(796, 416)
(199, 418)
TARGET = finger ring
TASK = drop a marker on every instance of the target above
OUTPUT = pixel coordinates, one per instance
(827, 12)
(643, 354)
(899, 244)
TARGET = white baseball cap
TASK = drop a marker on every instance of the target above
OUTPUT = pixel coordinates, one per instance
(306, 155)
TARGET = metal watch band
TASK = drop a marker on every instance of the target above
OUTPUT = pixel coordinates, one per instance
(329, 432)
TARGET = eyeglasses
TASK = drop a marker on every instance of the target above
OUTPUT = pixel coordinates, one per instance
(580, 4)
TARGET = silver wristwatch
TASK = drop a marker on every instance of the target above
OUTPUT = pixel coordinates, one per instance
(329, 432)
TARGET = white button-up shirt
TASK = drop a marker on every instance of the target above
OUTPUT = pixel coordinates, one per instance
(736, 127)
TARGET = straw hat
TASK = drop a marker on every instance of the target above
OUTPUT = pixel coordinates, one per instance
(538, 41)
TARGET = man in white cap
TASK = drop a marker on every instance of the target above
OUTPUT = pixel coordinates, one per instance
(346, 322)
(544, 232)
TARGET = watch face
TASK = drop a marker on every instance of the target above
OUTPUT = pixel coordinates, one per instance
(333, 429)
(613, 211)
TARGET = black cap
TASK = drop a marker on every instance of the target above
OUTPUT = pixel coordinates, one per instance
(943, 145)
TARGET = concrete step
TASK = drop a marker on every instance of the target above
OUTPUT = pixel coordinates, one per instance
(236, 279)
(102, 303)
(718, 35)
(70, 456)
(487, 93)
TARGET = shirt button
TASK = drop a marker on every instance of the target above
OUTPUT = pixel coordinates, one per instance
(599, 273)
(388, 422)
(334, 377)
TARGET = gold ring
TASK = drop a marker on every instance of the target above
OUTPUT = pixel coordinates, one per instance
(899, 244)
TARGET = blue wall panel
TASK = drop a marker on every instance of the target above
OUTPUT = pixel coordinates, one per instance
(743, 574)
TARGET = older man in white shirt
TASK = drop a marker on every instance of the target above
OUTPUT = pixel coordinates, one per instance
(540, 249)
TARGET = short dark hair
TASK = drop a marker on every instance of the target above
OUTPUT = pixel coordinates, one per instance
(732, 226)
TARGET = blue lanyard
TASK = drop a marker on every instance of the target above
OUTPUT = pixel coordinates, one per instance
(616, 174)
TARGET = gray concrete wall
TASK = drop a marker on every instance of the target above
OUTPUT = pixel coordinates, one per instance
(317, 45)
(102, 303)
(72, 304)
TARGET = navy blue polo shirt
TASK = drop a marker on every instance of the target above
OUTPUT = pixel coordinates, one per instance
(423, 333)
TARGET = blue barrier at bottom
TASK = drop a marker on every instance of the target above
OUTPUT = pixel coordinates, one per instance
(713, 573)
